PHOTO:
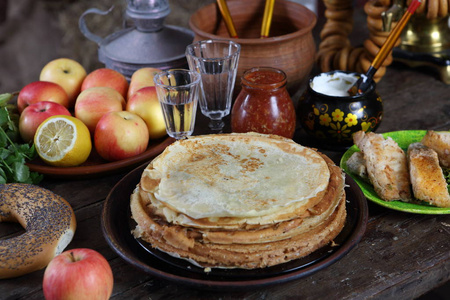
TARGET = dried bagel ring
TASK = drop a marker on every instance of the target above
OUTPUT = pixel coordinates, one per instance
(335, 40)
(379, 33)
(379, 74)
(385, 2)
(422, 7)
(380, 37)
(324, 51)
(433, 7)
(343, 57)
(375, 24)
(336, 5)
(371, 48)
(374, 9)
(443, 8)
(365, 62)
(49, 224)
(330, 29)
(328, 57)
(335, 50)
(377, 40)
(341, 15)
(343, 26)
(353, 58)
(336, 58)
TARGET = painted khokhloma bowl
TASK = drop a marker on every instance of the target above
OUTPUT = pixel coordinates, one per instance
(332, 120)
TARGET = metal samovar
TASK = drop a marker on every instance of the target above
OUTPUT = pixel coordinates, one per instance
(425, 42)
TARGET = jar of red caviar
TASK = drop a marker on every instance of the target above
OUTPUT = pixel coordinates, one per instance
(263, 104)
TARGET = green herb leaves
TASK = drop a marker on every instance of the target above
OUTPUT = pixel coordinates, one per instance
(13, 153)
(446, 172)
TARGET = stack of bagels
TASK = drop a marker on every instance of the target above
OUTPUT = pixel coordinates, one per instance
(239, 201)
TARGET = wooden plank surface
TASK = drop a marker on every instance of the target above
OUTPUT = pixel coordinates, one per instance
(401, 255)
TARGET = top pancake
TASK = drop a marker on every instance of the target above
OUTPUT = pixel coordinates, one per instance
(235, 176)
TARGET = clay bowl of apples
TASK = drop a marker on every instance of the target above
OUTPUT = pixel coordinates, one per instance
(96, 166)
(66, 85)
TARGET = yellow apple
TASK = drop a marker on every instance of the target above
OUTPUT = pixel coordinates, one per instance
(145, 104)
(142, 77)
(106, 77)
(94, 102)
(120, 135)
(66, 72)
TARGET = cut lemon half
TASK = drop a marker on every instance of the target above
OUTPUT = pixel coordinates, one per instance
(63, 141)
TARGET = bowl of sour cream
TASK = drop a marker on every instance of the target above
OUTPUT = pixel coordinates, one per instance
(331, 115)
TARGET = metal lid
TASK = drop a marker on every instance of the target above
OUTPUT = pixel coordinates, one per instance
(148, 15)
(148, 43)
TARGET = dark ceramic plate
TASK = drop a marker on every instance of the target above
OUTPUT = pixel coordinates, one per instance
(96, 166)
(117, 227)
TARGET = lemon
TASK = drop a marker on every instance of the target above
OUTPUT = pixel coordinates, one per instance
(63, 141)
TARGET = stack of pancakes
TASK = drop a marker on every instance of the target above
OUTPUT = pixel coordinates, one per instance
(239, 201)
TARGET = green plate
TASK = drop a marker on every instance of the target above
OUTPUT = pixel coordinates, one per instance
(403, 138)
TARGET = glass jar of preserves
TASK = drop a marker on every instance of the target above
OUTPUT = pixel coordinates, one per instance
(263, 104)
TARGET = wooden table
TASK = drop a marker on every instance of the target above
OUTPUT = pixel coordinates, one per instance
(401, 255)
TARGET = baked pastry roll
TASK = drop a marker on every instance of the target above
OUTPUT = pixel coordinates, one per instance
(427, 178)
(386, 166)
(356, 164)
(439, 141)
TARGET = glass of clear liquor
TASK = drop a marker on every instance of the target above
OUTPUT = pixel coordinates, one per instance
(178, 91)
(217, 62)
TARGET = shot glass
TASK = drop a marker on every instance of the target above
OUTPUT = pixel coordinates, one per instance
(217, 62)
(178, 91)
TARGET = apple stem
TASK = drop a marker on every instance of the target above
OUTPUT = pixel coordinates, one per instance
(72, 257)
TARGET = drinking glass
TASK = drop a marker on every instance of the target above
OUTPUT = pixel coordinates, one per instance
(216, 61)
(178, 91)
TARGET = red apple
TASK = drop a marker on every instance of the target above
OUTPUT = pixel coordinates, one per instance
(78, 274)
(120, 135)
(94, 102)
(66, 72)
(33, 115)
(41, 91)
(141, 78)
(145, 104)
(106, 77)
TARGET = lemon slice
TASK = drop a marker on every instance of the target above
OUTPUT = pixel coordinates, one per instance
(63, 141)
